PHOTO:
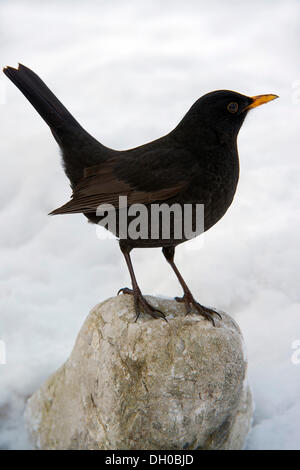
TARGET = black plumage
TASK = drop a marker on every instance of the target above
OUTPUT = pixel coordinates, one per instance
(196, 163)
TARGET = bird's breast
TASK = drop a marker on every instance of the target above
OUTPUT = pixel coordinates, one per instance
(215, 185)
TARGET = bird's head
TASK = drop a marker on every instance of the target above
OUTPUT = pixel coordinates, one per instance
(224, 111)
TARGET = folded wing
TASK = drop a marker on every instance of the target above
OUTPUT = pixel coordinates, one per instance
(103, 184)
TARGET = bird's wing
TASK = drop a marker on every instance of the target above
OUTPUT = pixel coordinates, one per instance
(143, 179)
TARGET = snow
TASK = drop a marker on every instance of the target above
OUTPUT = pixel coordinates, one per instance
(129, 71)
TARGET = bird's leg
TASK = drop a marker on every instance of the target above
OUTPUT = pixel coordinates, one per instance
(187, 298)
(139, 299)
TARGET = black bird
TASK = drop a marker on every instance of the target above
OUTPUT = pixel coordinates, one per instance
(196, 163)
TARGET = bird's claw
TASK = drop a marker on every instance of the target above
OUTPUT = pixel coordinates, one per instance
(125, 290)
(140, 301)
(190, 302)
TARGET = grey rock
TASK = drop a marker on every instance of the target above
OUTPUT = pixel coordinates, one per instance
(148, 384)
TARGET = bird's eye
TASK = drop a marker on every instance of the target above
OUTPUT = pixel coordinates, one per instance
(233, 107)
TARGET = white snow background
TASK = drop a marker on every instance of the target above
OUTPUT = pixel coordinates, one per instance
(129, 71)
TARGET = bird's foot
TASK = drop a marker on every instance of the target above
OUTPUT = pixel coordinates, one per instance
(190, 303)
(141, 302)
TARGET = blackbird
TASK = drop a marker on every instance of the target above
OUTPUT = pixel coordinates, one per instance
(196, 163)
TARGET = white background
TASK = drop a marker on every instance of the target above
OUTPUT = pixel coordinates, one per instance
(129, 71)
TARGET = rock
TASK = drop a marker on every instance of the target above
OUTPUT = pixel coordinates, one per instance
(148, 384)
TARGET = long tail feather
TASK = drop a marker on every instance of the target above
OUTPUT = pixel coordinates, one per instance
(58, 118)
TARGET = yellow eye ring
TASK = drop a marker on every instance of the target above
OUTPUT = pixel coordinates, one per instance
(232, 107)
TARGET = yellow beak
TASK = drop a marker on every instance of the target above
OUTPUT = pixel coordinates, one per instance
(261, 99)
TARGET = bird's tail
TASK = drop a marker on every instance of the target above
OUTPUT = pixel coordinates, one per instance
(58, 118)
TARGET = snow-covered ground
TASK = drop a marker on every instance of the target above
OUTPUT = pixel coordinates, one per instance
(128, 71)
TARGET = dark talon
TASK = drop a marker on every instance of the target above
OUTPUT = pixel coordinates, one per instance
(187, 298)
(217, 313)
(140, 299)
(190, 302)
(125, 290)
(209, 310)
